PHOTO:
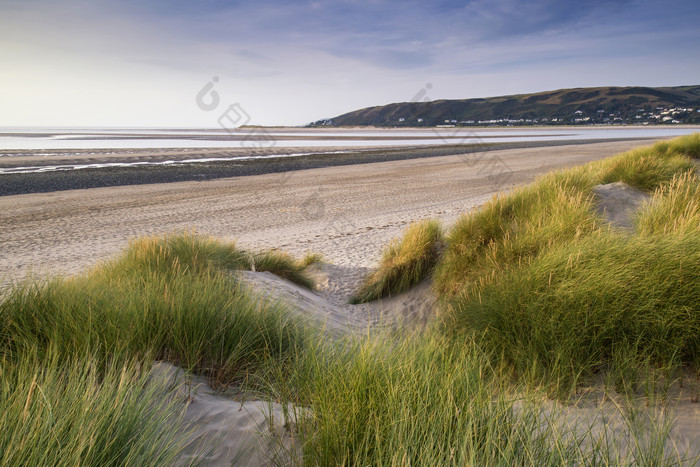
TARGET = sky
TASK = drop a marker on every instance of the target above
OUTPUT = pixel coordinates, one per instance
(187, 63)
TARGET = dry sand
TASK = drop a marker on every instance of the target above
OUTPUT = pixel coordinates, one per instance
(221, 431)
(618, 202)
(328, 305)
(346, 213)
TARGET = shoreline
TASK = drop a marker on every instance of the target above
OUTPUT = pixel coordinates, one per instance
(61, 180)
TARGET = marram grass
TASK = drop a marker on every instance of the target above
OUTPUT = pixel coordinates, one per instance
(542, 278)
(674, 208)
(187, 252)
(404, 263)
(66, 413)
(422, 400)
(161, 297)
(285, 266)
(649, 167)
(576, 309)
(74, 351)
(513, 228)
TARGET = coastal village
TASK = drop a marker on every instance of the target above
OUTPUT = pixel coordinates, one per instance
(640, 116)
(643, 116)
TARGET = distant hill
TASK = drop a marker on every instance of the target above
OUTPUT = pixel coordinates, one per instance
(621, 105)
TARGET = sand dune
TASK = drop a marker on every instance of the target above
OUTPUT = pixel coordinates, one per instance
(348, 214)
(328, 305)
(221, 431)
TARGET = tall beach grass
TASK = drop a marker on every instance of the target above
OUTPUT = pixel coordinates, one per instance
(674, 208)
(422, 400)
(581, 308)
(66, 413)
(405, 262)
(75, 352)
(543, 279)
(513, 228)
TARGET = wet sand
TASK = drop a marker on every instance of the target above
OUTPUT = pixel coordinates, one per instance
(185, 164)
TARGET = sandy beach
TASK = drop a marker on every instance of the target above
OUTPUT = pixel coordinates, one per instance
(346, 213)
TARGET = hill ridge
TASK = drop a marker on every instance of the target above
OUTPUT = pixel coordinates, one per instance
(572, 106)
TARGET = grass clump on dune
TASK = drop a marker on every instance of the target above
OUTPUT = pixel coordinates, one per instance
(58, 413)
(179, 253)
(204, 323)
(514, 228)
(674, 208)
(539, 276)
(649, 167)
(286, 266)
(167, 297)
(511, 229)
(417, 402)
(582, 308)
(404, 263)
(86, 343)
(422, 400)
(190, 253)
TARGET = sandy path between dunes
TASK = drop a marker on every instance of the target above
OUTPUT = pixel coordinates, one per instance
(346, 213)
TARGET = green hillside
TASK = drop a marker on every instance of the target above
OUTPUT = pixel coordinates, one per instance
(611, 105)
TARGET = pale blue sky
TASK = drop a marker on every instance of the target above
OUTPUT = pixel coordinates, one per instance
(142, 63)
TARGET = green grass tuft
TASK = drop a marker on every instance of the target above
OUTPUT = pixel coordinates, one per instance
(189, 313)
(674, 208)
(512, 229)
(421, 400)
(58, 413)
(579, 307)
(415, 403)
(404, 263)
(540, 278)
(284, 266)
(184, 252)
(649, 167)
(187, 252)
